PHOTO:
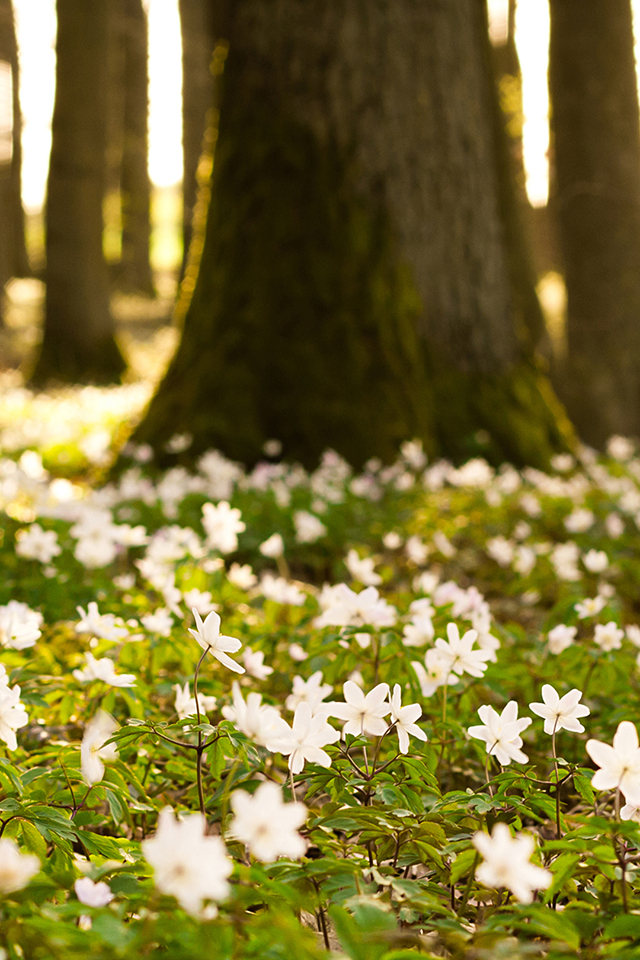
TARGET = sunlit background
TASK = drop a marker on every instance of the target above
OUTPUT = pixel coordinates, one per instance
(36, 28)
(36, 40)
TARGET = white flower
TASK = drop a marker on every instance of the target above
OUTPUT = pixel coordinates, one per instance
(417, 550)
(560, 713)
(506, 863)
(16, 869)
(459, 654)
(254, 664)
(564, 557)
(343, 607)
(257, 720)
(92, 750)
(619, 764)
(426, 582)
(596, 561)
(273, 546)
(308, 527)
(630, 811)
(36, 544)
(501, 732)
(187, 864)
(633, 634)
(363, 714)
(185, 704)
(501, 550)
(620, 448)
(200, 599)
(304, 739)
(590, 607)
(312, 691)
(437, 672)
(614, 525)
(103, 670)
(19, 626)
(419, 631)
(222, 525)
(242, 577)
(268, 825)
(524, 560)
(93, 894)
(362, 569)
(281, 591)
(159, 622)
(404, 719)
(561, 637)
(608, 636)
(443, 544)
(580, 520)
(105, 626)
(392, 540)
(13, 714)
(208, 636)
(297, 653)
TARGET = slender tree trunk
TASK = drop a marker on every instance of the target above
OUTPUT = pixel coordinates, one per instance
(357, 285)
(78, 344)
(135, 274)
(196, 21)
(13, 253)
(596, 131)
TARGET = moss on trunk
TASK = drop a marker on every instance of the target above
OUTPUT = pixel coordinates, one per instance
(357, 285)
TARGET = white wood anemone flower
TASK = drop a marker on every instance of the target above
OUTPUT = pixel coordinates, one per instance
(186, 863)
(267, 824)
(208, 635)
(619, 764)
(560, 713)
(507, 863)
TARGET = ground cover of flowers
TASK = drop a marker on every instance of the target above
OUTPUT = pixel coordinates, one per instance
(274, 714)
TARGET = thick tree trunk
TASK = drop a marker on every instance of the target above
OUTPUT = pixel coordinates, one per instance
(13, 253)
(134, 274)
(597, 165)
(196, 21)
(357, 285)
(78, 344)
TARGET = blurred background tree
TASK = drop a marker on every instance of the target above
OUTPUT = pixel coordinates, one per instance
(596, 129)
(196, 21)
(367, 267)
(130, 91)
(362, 278)
(13, 252)
(78, 344)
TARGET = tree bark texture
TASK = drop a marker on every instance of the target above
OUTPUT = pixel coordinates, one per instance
(596, 133)
(196, 21)
(357, 285)
(14, 261)
(79, 343)
(134, 274)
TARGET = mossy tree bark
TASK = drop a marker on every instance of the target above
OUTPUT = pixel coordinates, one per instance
(79, 343)
(13, 253)
(358, 284)
(597, 166)
(196, 21)
(134, 274)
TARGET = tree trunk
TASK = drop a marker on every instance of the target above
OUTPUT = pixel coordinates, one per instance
(13, 252)
(134, 274)
(79, 343)
(357, 285)
(596, 131)
(196, 21)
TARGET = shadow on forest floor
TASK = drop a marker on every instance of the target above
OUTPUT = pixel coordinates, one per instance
(145, 331)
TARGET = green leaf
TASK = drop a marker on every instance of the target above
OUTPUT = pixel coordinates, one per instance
(463, 864)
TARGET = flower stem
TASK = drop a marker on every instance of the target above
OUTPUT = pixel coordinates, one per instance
(200, 748)
(555, 764)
